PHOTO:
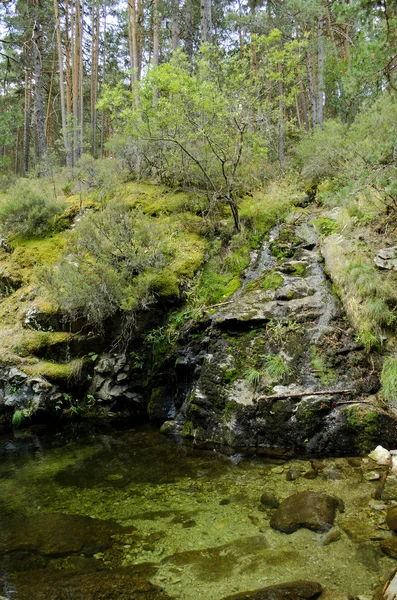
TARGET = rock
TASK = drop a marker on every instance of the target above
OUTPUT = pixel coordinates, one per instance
(312, 510)
(57, 534)
(391, 518)
(390, 587)
(389, 547)
(380, 455)
(268, 499)
(387, 258)
(120, 584)
(292, 474)
(294, 590)
(371, 476)
(332, 536)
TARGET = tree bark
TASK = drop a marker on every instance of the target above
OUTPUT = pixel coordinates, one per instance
(94, 76)
(175, 25)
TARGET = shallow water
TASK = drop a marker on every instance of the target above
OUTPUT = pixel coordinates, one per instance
(201, 531)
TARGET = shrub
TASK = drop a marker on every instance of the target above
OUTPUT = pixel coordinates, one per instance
(28, 210)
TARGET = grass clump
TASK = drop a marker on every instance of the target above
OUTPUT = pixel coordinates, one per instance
(368, 296)
(253, 377)
(276, 366)
(388, 379)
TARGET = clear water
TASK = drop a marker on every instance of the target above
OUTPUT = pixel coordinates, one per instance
(201, 531)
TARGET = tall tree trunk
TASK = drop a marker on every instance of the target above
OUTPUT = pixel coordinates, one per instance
(104, 56)
(281, 104)
(189, 21)
(320, 76)
(133, 28)
(38, 76)
(65, 133)
(94, 76)
(156, 33)
(174, 24)
(26, 124)
(49, 101)
(206, 21)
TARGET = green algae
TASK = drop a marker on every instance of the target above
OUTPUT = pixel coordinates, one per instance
(197, 514)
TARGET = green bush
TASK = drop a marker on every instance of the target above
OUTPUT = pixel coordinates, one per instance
(389, 379)
(28, 210)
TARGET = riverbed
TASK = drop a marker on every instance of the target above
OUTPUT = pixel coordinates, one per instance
(187, 519)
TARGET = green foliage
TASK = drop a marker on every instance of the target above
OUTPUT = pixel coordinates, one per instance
(253, 377)
(276, 366)
(388, 379)
(272, 282)
(28, 210)
(320, 153)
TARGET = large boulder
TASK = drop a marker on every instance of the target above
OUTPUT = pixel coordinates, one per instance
(294, 590)
(311, 510)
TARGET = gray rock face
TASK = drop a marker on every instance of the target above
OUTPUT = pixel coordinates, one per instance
(278, 361)
(311, 510)
(294, 590)
(114, 381)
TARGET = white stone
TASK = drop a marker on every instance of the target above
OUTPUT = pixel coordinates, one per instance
(380, 455)
(371, 476)
(394, 464)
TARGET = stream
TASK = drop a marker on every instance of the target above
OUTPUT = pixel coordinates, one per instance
(188, 520)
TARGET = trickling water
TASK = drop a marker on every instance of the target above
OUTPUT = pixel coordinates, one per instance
(201, 531)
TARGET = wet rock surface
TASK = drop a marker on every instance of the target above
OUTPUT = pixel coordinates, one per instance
(312, 510)
(278, 368)
(58, 535)
(295, 590)
(118, 584)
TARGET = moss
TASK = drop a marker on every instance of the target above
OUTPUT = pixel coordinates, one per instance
(272, 282)
(326, 226)
(365, 425)
(156, 402)
(30, 341)
(55, 372)
(320, 368)
(229, 376)
(389, 379)
(188, 429)
(166, 285)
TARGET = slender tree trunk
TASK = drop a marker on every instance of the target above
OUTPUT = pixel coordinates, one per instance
(281, 104)
(312, 89)
(49, 101)
(104, 56)
(206, 21)
(94, 77)
(133, 25)
(38, 75)
(156, 33)
(320, 77)
(175, 25)
(26, 124)
(65, 133)
(189, 20)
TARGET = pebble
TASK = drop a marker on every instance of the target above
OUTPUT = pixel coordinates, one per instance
(277, 470)
(377, 505)
(371, 476)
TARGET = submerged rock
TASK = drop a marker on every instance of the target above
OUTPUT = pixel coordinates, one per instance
(311, 510)
(391, 518)
(57, 535)
(295, 590)
(117, 584)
